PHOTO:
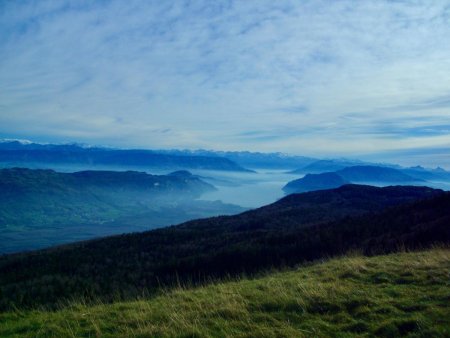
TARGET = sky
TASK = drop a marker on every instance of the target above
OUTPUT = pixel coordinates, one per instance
(336, 78)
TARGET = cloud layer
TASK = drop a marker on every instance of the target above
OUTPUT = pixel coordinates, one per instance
(311, 77)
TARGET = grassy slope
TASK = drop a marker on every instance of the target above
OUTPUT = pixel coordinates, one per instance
(392, 295)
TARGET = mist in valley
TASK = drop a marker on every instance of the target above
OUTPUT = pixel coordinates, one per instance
(245, 189)
(248, 190)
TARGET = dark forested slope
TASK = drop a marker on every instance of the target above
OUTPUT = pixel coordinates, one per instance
(295, 229)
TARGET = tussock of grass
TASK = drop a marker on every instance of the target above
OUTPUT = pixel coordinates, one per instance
(393, 295)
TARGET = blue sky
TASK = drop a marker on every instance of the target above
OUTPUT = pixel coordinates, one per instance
(321, 78)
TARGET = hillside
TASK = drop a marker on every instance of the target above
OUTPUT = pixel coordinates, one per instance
(46, 155)
(39, 208)
(403, 294)
(298, 228)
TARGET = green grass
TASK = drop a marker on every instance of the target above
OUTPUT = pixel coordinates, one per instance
(394, 295)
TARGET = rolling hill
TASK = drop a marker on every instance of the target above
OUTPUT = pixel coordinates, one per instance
(298, 228)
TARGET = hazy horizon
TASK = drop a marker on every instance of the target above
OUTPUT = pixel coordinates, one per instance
(423, 158)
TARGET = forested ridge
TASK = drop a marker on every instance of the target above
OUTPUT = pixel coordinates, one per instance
(293, 230)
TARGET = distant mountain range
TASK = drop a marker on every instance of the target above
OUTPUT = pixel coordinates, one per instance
(22, 153)
(419, 172)
(368, 174)
(29, 152)
(330, 165)
(296, 229)
(39, 208)
(253, 160)
(15, 153)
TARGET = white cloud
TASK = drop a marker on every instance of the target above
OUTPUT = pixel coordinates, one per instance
(311, 77)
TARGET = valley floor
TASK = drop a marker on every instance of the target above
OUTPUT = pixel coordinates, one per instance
(404, 294)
